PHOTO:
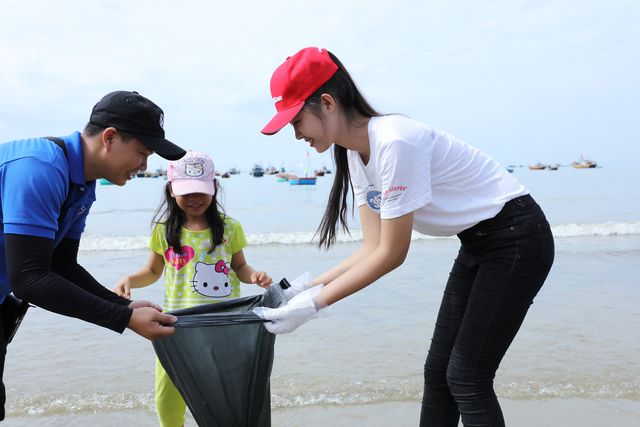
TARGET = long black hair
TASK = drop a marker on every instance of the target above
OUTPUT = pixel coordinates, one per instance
(172, 216)
(344, 90)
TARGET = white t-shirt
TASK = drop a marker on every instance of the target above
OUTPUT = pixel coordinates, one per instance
(449, 185)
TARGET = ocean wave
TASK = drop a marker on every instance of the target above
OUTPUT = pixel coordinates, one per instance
(75, 403)
(125, 243)
(387, 391)
(603, 229)
(352, 394)
(589, 389)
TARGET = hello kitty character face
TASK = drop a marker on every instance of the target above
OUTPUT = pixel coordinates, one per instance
(212, 280)
(193, 169)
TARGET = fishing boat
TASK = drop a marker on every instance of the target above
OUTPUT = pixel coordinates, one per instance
(537, 167)
(584, 164)
(283, 176)
(256, 171)
(552, 167)
(306, 179)
(302, 180)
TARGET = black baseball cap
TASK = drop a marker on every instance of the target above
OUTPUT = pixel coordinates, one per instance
(133, 113)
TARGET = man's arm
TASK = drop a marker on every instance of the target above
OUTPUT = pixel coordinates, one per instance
(28, 261)
(65, 263)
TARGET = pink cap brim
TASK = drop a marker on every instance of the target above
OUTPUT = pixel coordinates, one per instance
(180, 187)
(281, 119)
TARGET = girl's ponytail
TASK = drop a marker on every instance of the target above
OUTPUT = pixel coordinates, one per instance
(336, 209)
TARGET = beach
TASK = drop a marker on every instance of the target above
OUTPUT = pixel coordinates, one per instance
(555, 412)
(574, 362)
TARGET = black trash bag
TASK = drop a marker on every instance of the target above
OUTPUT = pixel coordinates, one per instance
(220, 360)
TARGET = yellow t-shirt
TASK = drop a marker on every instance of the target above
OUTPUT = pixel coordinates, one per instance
(193, 276)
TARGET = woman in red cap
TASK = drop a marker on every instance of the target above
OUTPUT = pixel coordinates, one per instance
(408, 176)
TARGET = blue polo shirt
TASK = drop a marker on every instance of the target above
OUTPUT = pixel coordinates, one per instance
(34, 185)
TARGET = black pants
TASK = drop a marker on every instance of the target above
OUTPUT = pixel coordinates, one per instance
(500, 268)
(3, 352)
(12, 311)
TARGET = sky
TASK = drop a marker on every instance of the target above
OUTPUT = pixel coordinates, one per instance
(524, 80)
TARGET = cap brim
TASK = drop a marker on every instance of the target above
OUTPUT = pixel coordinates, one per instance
(180, 187)
(163, 147)
(281, 119)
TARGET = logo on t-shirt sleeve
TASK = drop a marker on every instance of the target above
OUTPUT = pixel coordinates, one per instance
(374, 198)
(394, 192)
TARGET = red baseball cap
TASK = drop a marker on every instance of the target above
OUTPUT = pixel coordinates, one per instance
(294, 81)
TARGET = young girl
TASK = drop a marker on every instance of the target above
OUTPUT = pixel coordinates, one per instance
(199, 248)
(407, 175)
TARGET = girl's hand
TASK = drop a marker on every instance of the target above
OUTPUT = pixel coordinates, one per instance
(261, 279)
(142, 303)
(123, 288)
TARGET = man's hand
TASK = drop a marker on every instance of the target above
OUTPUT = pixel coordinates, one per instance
(150, 323)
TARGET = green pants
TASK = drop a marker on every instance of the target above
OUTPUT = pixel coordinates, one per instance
(170, 405)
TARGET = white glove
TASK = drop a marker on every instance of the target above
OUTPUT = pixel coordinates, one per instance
(297, 311)
(298, 285)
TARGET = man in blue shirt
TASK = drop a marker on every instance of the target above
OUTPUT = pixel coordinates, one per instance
(47, 187)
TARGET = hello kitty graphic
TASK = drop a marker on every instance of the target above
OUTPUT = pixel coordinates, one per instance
(212, 280)
(194, 169)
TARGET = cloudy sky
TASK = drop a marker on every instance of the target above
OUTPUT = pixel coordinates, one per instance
(524, 80)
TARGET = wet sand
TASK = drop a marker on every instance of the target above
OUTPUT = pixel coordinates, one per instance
(520, 413)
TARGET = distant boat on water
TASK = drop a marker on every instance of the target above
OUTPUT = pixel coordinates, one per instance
(584, 164)
(553, 167)
(284, 176)
(306, 179)
(537, 166)
(302, 180)
(257, 171)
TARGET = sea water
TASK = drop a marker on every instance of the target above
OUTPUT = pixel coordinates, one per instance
(581, 337)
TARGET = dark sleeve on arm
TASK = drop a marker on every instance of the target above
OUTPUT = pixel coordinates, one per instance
(65, 263)
(28, 260)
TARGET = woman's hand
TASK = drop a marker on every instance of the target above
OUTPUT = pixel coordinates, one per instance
(299, 284)
(289, 317)
(123, 288)
(261, 278)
